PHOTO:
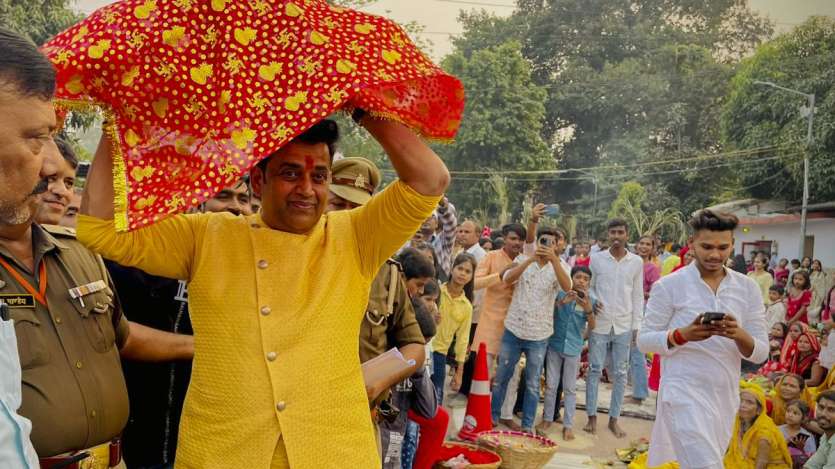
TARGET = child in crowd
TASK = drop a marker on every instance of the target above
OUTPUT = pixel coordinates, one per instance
(432, 297)
(794, 265)
(760, 275)
(416, 394)
(801, 443)
(775, 310)
(456, 318)
(781, 273)
(581, 254)
(799, 298)
(776, 337)
(573, 318)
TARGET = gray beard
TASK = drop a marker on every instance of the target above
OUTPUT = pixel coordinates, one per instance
(12, 213)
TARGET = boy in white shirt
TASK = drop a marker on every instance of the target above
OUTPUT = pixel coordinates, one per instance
(775, 310)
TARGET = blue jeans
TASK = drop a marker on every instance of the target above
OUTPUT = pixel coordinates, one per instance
(410, 442)
(598, 346)
(638, 372)
(512, 349)
(439, 375)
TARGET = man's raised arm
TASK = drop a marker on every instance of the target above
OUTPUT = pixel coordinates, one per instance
(97, 200)
(393, 216)
(416, 164)
(166, 248)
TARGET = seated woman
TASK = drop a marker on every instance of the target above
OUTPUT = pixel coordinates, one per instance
(788, 349)
(776, 337)
(805, 360)
(789, 388)
(756, 442)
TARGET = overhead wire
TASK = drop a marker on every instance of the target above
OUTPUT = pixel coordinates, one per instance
(457, 176)
(712, 156)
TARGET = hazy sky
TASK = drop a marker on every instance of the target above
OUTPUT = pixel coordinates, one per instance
(440, 16)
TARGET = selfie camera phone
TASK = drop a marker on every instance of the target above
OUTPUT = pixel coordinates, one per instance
(543, 241)
(709, 317)
(552, 210)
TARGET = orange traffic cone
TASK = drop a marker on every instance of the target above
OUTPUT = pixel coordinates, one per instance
(478, 418)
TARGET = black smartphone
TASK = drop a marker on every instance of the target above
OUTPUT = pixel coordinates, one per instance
(580, 294)
(710, 316)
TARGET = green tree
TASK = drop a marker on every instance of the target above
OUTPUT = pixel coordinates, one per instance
(757, 116)
(631, 205)
(629, 82)
(39, 20)
(631, 194)
(501, 129)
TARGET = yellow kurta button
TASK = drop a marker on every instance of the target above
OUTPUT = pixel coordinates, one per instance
(281, 406)
(265, 311)
(93, 413)
(79, 365)
(262, 264)
(57, 320)
(272, 356)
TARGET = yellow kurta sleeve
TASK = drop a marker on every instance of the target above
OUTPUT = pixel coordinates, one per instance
(387, 221)
(166, 249)
(462, 335)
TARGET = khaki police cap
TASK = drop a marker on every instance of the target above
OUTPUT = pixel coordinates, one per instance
(354, 179)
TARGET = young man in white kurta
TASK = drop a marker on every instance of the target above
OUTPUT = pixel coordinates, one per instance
(699, 394)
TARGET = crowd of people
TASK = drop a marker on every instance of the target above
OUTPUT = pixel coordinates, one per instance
(233, 335)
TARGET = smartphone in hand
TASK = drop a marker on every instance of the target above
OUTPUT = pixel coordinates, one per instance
(710, 316)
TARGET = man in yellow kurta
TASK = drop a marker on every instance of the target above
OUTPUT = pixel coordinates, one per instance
(277, 299)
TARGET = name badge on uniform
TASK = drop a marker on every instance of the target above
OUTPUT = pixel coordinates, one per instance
(16, 301)
(78, 293)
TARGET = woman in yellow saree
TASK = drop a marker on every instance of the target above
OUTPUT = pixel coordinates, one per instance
(756, 442)
(789, 388)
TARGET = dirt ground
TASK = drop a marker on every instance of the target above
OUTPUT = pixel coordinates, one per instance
(600, 448)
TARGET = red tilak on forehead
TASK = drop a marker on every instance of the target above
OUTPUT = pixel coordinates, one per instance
(308, 163)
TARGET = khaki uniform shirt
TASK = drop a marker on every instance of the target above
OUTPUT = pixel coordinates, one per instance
(73, 388)
(380, 330)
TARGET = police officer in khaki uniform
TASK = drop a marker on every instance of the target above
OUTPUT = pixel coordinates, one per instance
(70, 330)
(389, 318)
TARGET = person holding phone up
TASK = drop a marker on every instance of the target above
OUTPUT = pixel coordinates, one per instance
(530, 319)
(703, 320)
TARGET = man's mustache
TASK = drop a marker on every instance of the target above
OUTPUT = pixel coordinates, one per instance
(40, 187)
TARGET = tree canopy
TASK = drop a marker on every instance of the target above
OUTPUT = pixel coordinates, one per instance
(39, 20)
(633, 91)
(759, 116)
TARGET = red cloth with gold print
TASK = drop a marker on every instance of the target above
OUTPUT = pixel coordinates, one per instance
(197, 91)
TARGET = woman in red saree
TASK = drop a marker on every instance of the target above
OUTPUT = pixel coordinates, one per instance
(787, 353)
(805, 361)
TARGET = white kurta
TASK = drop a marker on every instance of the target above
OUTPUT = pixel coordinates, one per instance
(699, 394)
